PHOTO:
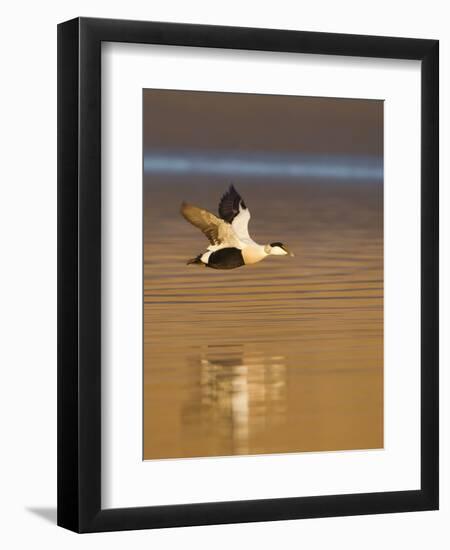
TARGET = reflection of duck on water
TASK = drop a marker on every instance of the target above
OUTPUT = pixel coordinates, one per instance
(240, 396)
(230, 243)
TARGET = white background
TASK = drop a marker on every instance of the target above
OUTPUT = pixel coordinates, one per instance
(129, 481)
(28, 285)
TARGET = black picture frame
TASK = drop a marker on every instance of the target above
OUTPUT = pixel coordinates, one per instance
(79, 274)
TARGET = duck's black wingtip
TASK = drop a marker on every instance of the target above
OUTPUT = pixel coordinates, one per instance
(229, 204)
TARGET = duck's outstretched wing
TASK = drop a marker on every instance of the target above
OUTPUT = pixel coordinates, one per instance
(233, 210)
(215, 229)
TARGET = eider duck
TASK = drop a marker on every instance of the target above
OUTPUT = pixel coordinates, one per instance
(230, 243)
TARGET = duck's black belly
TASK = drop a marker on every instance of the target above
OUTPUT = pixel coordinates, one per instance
(226, 258)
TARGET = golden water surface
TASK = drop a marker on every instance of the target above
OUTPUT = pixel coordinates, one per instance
(282, 356)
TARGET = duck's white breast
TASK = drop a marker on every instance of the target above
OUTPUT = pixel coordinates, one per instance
(253, 254)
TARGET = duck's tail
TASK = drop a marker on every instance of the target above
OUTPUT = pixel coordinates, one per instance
(196, 260)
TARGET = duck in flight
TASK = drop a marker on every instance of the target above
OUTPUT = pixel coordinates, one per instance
(230, 243)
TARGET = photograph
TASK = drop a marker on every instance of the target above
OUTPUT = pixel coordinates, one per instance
(263, 274)
(248, 276)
